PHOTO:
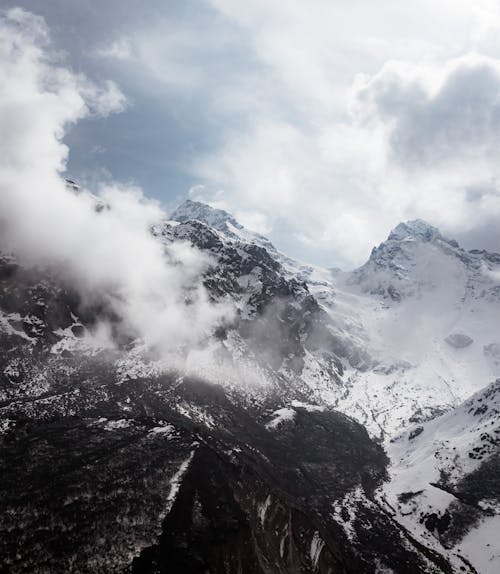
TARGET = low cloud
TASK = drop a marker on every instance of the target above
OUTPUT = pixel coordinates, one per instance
(107, 254)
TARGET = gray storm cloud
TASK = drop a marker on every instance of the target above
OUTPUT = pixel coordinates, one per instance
(434, 119)
(111, 253)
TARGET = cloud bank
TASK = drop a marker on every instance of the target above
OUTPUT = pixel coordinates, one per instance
(338, 161)
(109, 254)
(322, 124)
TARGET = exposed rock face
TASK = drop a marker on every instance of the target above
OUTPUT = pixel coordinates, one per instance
(149, 490)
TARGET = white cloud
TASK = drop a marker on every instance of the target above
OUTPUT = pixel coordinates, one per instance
(327, 121)
(104, 99)
(338, 158)
(255, 221)
(108, 255)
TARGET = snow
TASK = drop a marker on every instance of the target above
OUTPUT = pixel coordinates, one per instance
(280, 417)
(444, 445)
(117, 425)
(195, 210)
(262, 509)
(416, 229)
(481, 546)
(176, 481)
(317, 545)
(441, 295)
(308, 407)
(90, 343)
(6, 424)
(382, 569)
(6, 325)
(195, 413)
(283, 540)
(138, 364)
(166, 430)
(348, 505)
(445, 442)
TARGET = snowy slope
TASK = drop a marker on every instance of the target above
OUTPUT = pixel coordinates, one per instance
(444, 479)
(430, 311)
(219, 220)
(396, 322)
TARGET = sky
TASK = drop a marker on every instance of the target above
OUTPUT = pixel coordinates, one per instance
(145, 287)
(320, 124)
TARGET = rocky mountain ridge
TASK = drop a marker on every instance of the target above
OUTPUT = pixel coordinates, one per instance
(236, 458)
(168, 473)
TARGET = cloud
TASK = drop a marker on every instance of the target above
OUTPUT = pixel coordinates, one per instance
(305, 182)
(334, 159)
(103, 100)
(108, 255)
(437, 114)
(440, 125)
(299, 118)
(414, 140)
(119, 49)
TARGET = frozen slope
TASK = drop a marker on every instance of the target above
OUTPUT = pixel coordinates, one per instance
(430, 312)
(415, 327)
(444, 480)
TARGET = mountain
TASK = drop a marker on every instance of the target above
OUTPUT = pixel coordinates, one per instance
(105, 470)
(430, 311)
(444, 479)
(219, 220)
(416, 259)
(288, 444)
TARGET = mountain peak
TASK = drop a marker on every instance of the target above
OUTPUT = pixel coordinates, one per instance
(216, 218)
(415, 229)
(221, 221)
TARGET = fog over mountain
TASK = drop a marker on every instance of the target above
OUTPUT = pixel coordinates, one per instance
(102, 245)
(180, 394)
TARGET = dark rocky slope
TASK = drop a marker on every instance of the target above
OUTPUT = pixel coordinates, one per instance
(169, 473)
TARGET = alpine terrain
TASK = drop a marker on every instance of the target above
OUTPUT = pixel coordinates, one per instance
(334, 422)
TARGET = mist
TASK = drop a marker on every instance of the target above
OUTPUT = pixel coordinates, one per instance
(108, 255)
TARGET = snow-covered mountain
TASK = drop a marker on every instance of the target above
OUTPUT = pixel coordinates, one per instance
(415, 328)
(430, 311)
(444, 480)
(234, 457)
(417, 260)
(111, 464)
